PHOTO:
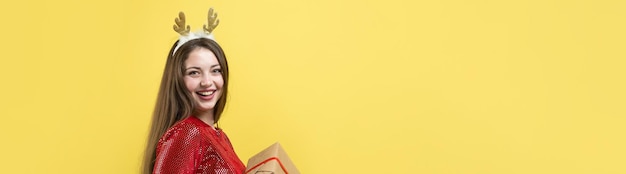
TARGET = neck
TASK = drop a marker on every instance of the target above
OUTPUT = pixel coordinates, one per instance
(206, 117)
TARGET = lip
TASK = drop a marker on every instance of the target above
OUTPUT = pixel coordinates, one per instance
(208, 97)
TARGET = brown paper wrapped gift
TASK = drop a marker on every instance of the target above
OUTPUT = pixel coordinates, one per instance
(272, 160)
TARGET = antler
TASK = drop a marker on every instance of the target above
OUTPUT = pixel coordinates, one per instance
(213, 21)
(180, 24)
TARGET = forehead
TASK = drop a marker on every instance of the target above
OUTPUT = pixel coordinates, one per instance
(201, 57)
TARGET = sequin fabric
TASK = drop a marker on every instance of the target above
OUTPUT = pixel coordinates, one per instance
(193, 147)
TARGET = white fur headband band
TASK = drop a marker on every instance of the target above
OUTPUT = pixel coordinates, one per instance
(186, 36)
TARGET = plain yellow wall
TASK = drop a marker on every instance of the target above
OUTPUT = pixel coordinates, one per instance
(347, 86)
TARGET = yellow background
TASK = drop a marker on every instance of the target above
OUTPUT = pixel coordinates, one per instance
(347, 86)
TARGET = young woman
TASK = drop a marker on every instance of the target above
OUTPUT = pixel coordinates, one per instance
(191, 99)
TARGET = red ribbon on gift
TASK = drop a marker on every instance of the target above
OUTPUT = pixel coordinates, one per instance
(267, 160)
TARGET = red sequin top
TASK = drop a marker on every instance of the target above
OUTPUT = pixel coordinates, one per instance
(192, 146)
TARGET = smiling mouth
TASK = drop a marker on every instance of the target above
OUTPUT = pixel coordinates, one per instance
(205, 93)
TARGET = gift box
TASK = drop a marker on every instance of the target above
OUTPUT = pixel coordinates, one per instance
(272, 160)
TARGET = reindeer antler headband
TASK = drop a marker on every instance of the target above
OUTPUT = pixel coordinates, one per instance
(186, 36)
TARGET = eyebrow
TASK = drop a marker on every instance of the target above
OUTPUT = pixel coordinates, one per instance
(196, 67)
(193, 67)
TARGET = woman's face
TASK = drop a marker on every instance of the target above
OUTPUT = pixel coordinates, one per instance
(203, 78)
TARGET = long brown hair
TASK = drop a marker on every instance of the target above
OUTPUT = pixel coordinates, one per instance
(174, 101)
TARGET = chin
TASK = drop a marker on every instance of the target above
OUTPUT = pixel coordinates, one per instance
(206, 107)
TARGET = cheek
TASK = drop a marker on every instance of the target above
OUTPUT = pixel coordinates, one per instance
(219, 82)
(190, 84)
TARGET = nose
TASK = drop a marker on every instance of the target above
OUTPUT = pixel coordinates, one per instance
(206, 82)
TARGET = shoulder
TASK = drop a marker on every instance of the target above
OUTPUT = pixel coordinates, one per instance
(185, 129)
(224, 136)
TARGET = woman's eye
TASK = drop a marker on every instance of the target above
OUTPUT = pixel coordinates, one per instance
(217, 70)
(193, 73)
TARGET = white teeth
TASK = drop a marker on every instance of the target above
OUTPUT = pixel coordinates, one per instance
(206, 93)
